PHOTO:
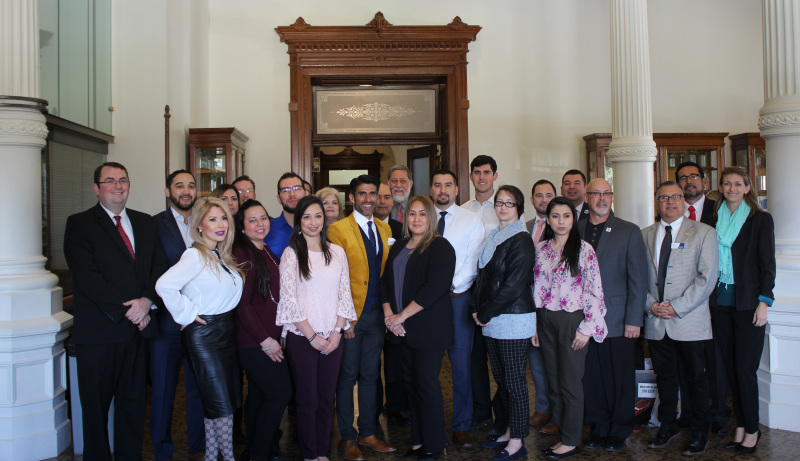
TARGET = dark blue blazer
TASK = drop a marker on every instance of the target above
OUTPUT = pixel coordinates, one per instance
(173, 245)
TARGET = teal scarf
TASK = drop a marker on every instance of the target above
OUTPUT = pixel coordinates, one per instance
(728, 227)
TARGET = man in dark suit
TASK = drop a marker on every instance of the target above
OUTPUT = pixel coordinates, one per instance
(692, 179)
(383, 208)
(573, 187)
(609, 382)
(166, 351)
(115, 258)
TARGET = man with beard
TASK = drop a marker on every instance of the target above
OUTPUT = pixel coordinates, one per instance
(166, 351)
(366, 242)
(465, 232)
(400, 182)
(573, 187)
(290, 191)
(692, 179)
(542, 192)
(609, 380)
(246, 188)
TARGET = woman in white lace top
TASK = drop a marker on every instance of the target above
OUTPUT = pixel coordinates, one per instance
(314, 306)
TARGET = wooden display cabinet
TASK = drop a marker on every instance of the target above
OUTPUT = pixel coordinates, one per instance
(749, 151)
(216, 156)
(706, 149)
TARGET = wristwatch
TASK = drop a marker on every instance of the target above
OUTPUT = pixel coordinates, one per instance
(340, 330)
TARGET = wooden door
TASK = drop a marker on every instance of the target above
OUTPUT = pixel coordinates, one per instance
(422, 163)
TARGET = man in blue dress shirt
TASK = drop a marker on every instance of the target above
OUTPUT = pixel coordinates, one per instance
(290, 191)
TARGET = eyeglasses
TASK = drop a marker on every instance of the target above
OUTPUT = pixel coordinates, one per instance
(686, 177)
(667, 198)
(600, 194)
(112, 182)
(289, 189)
(504, 204)
(249, 191)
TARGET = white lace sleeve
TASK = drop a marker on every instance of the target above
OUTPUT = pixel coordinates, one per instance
(344, 306)
(289, 310)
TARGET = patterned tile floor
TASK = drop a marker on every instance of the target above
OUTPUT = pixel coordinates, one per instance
(775, 444)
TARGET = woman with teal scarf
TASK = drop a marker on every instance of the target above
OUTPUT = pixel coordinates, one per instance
(746, 237)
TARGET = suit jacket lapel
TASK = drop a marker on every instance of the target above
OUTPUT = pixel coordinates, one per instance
(601, 245)
(107, 224)
(173, 227)
(652, 239)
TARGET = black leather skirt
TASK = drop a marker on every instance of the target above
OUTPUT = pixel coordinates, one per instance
(211, 349)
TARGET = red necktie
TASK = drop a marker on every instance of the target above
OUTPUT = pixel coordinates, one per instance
(692, 214)
(400, 216)
(124, 237)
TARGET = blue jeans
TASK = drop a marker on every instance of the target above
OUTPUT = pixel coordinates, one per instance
(460, 357)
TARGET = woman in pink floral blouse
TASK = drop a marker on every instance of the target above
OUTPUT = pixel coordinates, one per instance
(568, 295)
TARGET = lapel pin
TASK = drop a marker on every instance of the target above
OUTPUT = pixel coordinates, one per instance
(686, 234)
(608, 229)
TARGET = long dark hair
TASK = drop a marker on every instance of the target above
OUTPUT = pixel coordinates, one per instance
(572, 248)
(298, 243)
(255, 256)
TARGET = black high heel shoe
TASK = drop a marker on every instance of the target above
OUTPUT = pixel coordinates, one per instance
(743, 450)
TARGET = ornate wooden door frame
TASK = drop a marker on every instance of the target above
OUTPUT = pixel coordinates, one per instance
(379, 49)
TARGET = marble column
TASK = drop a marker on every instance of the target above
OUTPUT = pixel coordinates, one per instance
(33, 410)
(779, 122)
(632, 150)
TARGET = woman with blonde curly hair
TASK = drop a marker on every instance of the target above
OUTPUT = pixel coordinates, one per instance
(200, 291)
(331, 204)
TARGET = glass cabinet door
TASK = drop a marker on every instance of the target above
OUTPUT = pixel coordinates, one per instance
(211, 167)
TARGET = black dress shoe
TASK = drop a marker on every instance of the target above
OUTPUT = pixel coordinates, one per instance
(719, 428)
(743, 450)
(614, 444)
(497, 431)
(595, 441)
(245, 456)
(425, 456)
(414, 453)
(732, 445)
(494, 443)
(398, 418)
(479, 423)
(698, 444)
(557, 456)
(663, 438)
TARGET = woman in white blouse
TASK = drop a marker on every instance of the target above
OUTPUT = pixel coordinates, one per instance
(314, 306)
(200, 291)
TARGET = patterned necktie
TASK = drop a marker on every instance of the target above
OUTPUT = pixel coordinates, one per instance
(692, 214)
(400, 216)
(440, 226)
(663, 261)
(537, 235)
(124, 237)
(372, 239)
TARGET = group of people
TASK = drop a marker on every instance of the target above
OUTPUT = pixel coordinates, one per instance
(307, 303)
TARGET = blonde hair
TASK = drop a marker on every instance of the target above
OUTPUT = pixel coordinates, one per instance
(430, 211)
(199, 212)
(326, 191)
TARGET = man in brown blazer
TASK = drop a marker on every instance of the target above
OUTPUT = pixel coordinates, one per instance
(366, 242)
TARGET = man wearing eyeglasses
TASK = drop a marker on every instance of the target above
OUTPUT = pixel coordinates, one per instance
(465, 232)
(246, 188)
(693, 181)
(290, 191)
(115, 258)
(609, 382)
(682, 271)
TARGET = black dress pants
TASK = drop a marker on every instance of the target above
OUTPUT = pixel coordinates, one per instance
(665, 354)
(421, 369)
(117, 371)
(742, 343)
(719, 411)
(609, 387)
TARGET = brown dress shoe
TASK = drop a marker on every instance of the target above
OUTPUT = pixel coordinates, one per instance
(549, 428)
(539, 419)
(376, 444)
(350, 451)
(462, 439)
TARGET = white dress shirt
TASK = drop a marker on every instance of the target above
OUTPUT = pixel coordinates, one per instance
(362, 221)
(182, 227)
(485, 211)
(465, 232)
(662, 231)
(125, 222)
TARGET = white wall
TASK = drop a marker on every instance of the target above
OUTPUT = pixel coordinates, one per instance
(530, 115)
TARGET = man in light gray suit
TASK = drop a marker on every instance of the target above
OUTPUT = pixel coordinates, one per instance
(609, 381)
(682, 266)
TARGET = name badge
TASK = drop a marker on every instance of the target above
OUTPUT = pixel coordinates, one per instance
(678, 246)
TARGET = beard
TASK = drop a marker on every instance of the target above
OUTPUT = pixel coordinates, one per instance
(689, 196)
(288, 208)
(442, 202)
(177, 203)
(402, 198)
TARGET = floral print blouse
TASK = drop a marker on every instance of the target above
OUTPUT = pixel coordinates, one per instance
(556, 289)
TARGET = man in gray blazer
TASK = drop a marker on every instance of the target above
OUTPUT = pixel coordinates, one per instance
(682, 269)
(609, 381)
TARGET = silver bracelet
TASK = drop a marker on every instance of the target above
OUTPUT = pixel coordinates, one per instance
(266, 351)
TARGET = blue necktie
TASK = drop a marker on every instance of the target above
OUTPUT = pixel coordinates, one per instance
(372, 239)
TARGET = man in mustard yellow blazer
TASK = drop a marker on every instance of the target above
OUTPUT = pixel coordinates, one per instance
(366, 242)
